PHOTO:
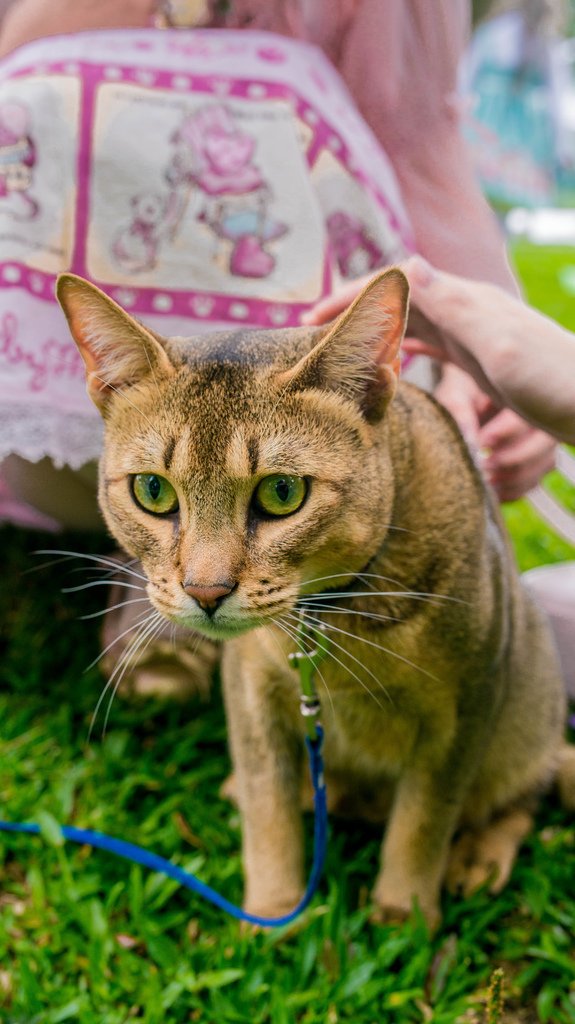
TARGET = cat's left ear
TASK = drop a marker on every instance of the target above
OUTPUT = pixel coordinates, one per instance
(117, 350)
(360, 356)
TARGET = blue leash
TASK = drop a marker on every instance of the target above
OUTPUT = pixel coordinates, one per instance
(140, 855)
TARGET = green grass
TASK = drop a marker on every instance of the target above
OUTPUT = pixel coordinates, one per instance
(87, 938)
(548, 279)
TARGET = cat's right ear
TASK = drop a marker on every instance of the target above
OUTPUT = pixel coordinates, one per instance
(117, 350)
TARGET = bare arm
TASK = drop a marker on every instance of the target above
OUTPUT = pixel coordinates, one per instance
(26, 20)
(400, 59)
(519, 357)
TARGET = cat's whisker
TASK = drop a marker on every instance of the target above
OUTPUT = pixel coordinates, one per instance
(124, 659)
(143, 643)
(103, 560)
(288, 630)
(90, 570)
(120, 636)
(113, 608)
(102, 583)
(198, 638)
(342, 610)
(371, 643)
(366, 576)
(354, 575)
(346, 668)
(44, 565)
(413, 594)
(420, 594)
(151, 625)
(295, 636)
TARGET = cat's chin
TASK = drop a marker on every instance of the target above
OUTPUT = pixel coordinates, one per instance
(225, 630)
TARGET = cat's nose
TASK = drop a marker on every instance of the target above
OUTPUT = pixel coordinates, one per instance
(209, 598)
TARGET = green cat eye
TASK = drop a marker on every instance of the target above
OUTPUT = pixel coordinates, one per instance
(154, 494)
(280, 494)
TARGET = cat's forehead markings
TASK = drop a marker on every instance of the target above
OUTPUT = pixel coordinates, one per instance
(169, 452)
(253, 454)
(278, 452)
(153, 445)
(242, 455)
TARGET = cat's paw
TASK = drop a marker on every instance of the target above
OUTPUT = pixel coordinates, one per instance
(485, 856)
(229, 789)
(269, 910)
(167, 673)
(393, 907)
(470, 866)
(566, 777)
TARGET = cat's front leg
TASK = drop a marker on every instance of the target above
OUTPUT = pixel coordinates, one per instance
(266, 753)
(414, 852)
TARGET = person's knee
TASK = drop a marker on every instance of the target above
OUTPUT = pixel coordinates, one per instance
(66, 495)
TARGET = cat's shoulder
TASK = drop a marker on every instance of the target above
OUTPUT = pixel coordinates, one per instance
(414, 403)
(430, 426)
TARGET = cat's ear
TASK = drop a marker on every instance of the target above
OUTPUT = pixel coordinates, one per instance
(117, 350)
(360, 355)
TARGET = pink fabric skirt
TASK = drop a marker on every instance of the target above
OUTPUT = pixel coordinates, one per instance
(205, 180)
(553, 587)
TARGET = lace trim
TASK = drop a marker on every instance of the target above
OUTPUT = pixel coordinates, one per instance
(68, 438)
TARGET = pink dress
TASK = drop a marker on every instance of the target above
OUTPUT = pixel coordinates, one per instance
(204, 180)
(215, 178)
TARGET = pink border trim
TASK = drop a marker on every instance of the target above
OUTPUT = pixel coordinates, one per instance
(193, 305)
(89, 85)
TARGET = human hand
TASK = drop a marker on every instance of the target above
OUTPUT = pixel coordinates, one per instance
(425, 335)
(512, 455)
(517, 356)
(334, 304)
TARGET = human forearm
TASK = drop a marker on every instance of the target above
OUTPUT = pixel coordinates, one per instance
(27, 20)
(520, 357)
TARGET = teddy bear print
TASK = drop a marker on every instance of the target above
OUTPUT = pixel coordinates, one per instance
(355, 251)
(17, 161)
(137, 244)
(214, 155)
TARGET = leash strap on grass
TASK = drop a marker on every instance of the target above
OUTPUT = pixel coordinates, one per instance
(139, 855)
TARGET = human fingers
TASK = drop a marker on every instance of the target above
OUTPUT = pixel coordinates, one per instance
(416, 347)
(514, 484)
(448, 313)
(516, 455)
(460, 396)
(501, 428)
(326, 309)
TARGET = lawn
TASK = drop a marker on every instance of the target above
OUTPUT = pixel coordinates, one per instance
(87, 938)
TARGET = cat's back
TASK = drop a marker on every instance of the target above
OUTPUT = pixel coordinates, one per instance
(432, 461)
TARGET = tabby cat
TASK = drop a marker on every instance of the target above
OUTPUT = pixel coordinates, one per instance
(258, 474)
